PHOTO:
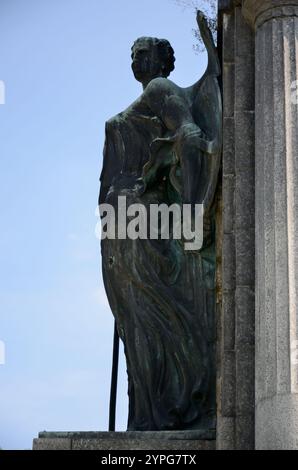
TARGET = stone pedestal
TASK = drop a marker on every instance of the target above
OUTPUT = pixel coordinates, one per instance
(275, 23)
(136, 440)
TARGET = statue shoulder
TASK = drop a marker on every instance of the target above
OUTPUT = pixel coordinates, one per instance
(110, 123)
(120, 117)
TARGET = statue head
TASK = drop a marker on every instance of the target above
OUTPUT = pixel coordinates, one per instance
(151, 58)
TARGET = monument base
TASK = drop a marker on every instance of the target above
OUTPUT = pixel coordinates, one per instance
(130, 440)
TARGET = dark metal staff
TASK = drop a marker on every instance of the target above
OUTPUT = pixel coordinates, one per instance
(114, 380)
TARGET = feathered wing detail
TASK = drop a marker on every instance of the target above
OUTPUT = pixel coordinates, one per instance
(207, 109)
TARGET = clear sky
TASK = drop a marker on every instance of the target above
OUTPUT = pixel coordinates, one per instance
(66, 69)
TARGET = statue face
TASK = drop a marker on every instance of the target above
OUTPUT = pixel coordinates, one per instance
(146, 63)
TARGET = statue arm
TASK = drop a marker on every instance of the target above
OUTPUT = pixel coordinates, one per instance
(183, 111)
(169, 102)
(189, 143)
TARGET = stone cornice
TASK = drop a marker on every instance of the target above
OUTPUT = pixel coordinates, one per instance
(257, 12)
(227, 5)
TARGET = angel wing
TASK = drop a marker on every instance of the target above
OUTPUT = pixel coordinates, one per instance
(206, 101)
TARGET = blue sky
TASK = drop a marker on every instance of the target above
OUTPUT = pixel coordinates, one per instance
(66, 68)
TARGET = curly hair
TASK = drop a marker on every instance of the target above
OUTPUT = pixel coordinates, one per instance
(165, 52)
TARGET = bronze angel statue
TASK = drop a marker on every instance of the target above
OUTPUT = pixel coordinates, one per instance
(165, 148)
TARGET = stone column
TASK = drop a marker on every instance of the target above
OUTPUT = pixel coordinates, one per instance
(276, 60)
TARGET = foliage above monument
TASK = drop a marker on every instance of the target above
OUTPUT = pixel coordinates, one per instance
(209, 8)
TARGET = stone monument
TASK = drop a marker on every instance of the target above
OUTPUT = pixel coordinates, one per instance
(250, 343)
(257, 369)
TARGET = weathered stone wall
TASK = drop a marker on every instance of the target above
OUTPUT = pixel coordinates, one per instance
(235, 429)
(262, 52)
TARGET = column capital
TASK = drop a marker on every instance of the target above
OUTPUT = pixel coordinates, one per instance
(257, 12)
